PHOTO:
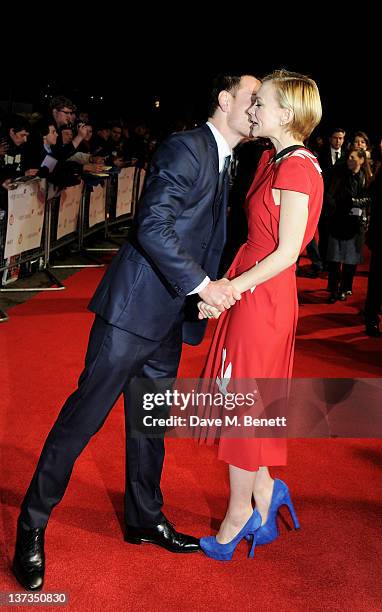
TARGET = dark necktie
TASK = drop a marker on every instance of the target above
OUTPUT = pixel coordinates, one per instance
(219, 189)
(227, 161)
(336, 156)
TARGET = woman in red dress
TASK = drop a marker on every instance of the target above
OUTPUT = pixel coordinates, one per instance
(255, 338)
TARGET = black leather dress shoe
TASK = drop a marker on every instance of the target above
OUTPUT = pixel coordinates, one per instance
(29, 560)
(164, 535)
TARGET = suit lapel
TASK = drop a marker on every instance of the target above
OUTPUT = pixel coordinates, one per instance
(219, 204)
(213, 149)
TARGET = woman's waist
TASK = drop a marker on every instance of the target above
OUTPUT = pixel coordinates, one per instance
(253, 251)
(251, 254)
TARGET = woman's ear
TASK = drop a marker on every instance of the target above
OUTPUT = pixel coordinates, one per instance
(286, 116)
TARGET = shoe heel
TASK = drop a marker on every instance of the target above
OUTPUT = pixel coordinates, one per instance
(288, 503)
(285, 522)
(252, 551)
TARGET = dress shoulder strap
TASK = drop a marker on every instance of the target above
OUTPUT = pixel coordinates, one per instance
(305, 154)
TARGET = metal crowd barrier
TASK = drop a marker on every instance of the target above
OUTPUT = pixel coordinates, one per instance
(112, 221)
(39, 254)
(51, 243)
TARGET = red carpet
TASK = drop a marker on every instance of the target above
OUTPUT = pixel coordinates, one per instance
(333, 563)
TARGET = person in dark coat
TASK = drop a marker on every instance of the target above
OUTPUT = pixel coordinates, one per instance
(349, 204)
(374, 242)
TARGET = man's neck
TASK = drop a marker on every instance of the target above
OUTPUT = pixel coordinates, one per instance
(232, 139)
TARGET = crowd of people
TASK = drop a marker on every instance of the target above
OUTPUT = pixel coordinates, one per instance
(66, 143)
(350, 218)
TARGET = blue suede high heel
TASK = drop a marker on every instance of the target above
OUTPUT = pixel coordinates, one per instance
(223, 552)
(280, 497)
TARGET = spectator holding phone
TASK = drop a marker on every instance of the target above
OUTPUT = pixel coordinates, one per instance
(13, 161)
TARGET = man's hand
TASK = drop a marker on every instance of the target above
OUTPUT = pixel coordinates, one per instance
(82, 130)
(9, 185)
(31, 172)
(221, 294)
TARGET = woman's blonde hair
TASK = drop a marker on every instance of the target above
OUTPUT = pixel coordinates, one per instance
(299, 94)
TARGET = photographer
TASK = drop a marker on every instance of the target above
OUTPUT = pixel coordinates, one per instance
(63, 110)
(349, 206)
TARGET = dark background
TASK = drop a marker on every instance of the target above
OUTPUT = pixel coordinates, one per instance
(130, 63)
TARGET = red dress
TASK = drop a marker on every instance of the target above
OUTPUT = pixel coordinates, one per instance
(257, 334)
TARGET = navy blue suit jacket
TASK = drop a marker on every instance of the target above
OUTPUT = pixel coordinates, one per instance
(178, 239)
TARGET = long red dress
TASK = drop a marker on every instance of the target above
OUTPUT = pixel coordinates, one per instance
(256, 336)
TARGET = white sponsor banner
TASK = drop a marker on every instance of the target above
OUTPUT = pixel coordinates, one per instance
(26, 207)
(97, 205)
(125, 191)
(70, 201)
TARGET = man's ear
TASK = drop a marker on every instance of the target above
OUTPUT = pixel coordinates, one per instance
(224, 101)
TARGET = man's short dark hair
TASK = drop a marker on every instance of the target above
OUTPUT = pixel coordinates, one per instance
(336, 130)
(60, 102)
(222, 82)
(43, 126)
(103, 125)
(17, 123)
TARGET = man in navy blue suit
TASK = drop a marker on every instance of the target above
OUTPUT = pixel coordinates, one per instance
(141, 318)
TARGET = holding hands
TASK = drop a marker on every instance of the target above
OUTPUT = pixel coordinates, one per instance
(217, 297)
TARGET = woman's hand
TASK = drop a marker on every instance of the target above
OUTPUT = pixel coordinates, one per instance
(208, 312)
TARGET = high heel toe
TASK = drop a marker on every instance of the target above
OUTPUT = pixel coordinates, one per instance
(280, 497)
(223, 552)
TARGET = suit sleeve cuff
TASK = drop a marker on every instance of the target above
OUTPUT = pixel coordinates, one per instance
(200, 287)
